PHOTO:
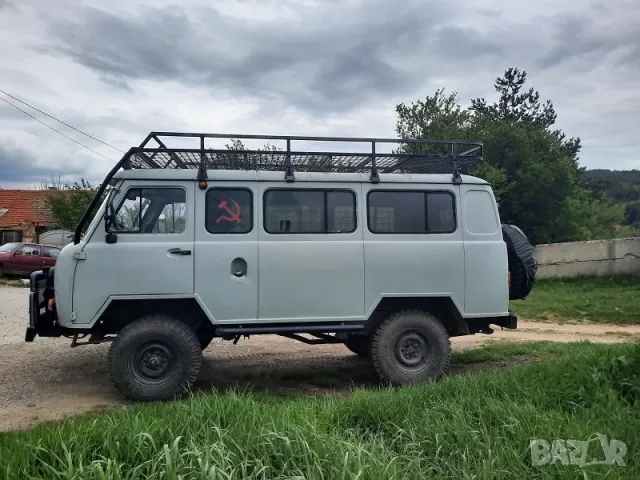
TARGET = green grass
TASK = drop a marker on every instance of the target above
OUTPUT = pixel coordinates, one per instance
(596, 299)
(471, 426)
(492, 352)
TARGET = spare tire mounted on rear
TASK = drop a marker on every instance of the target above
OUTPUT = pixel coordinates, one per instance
(522, 262)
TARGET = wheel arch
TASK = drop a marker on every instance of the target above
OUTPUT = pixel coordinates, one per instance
(119, 312)
(443, 307)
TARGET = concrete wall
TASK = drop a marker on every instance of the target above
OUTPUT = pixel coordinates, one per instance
(597, 257)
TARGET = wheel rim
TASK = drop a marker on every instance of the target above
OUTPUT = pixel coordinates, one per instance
(412, 352)
(153, 363)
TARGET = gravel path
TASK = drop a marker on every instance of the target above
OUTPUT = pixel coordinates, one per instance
(47, 379)
(14, 314)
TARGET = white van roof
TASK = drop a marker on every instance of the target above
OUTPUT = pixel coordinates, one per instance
(270, 176)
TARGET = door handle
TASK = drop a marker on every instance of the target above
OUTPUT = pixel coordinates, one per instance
(239, 267)
(178, 251)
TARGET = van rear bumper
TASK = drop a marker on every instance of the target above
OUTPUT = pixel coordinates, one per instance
(509, 321)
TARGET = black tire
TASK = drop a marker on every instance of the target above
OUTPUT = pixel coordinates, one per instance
(155, 358)
(1, 271)
(522, 262)
(410, 347)
(358, 344)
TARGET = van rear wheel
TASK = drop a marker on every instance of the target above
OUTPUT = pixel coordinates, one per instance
(410, 346)
(155, 358)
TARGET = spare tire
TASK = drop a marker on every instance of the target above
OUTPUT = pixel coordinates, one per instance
(522, 262)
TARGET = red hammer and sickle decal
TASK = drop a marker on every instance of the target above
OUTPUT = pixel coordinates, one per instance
(233, 215)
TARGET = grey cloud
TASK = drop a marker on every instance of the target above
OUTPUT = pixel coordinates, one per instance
(576, 37)
(9, 113)
(19, 166)
(327, 60)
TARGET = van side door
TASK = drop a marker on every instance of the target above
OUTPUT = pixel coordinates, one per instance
(226, 251)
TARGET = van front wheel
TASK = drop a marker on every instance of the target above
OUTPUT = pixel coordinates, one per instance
(155, 358)
(410, 346)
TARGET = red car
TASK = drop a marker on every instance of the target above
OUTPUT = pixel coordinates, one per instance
(24, 258)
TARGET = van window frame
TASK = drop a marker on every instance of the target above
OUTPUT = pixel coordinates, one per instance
(312, 189)
(206, 209)
(141, 187)
(425, 193)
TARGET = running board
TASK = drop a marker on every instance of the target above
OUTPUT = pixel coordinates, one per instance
(277, 329)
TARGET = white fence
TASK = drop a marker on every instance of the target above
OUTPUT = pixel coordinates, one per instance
(596, 257)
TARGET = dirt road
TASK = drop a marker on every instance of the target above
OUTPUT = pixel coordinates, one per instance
(47, 380)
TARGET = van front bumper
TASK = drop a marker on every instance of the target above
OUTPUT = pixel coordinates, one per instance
(42, 319)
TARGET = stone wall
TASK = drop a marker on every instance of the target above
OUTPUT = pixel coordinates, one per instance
(28, 231)
(597, 257)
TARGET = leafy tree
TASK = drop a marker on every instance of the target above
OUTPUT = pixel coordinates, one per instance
(516, 106)
(68, 202)
(533, 169)
(442, 117)
(623, 186)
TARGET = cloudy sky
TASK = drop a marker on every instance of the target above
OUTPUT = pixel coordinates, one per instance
(118, 69)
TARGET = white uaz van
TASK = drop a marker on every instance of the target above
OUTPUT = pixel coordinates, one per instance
(390, 254)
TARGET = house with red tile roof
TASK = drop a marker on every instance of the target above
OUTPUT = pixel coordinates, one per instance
(23, 215)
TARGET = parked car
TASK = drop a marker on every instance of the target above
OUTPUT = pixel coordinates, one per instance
(20, 258)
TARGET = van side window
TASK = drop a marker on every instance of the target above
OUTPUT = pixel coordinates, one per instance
(410, 212)
(151, 210)
(229, 210)
(309, 211)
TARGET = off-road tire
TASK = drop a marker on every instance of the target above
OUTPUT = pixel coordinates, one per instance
(358, 344)
(410, 346)
(154, 341)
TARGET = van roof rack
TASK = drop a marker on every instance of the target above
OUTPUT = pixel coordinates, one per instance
(417, 156)
(412, 156)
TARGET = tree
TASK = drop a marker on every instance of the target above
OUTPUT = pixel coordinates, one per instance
(514, 106)
(67, 202)
(533, 169)
(442, 117)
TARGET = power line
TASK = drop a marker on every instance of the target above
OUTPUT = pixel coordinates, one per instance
(60, 121)
(55, 130)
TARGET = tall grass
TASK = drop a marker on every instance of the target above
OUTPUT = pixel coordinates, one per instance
(474, 426)
(613, 299)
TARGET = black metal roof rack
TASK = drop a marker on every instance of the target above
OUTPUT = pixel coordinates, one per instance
(414, 156)
(410, 156)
